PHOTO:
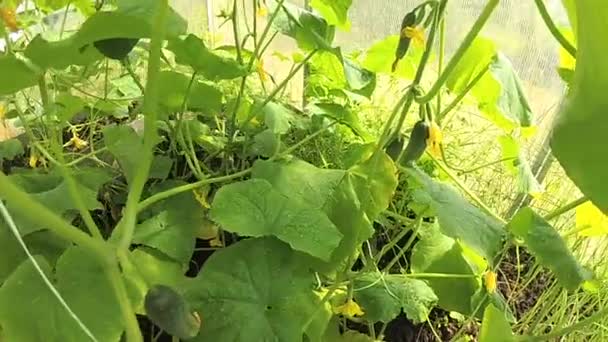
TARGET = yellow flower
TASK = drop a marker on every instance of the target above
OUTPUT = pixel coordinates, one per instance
(78, 143)
(433, 142)
(490, 281)
(262, 11)
(33, 160)
(216, 242)
(2, 111)
(415, 33)
(591, 221)
(10, 19)
(260, 69)
(201, 197)
(349, 309)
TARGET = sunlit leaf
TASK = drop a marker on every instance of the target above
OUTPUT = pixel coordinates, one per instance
(458, 218)
(517, 164)
(478, 55)
(590, 220)
(379, 58)
(277, 117)
(334, 11)
(579, 135)
(259, 285)
(501, 97)
(549, 248)
(264, 211)
(495, 327)
(213, 65)
(384, 296)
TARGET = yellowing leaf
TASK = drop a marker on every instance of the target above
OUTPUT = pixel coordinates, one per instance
(590, 220)
(490, 281)
(349, 309)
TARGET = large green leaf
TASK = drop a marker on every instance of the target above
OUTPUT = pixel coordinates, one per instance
(379, 58)
(578, 139)
(202, 96)
(382, 297)
(437, 253)
(87, 290)
(52, 191)
(33, 319)
(551, 251)
(213, 65)
(351, 199)
(83, 285)
(132, 19)
(334, 11)
(21, 76)
(495, 327)
(43, 243)
(255, 208)
(458, 218)
(310, 31)
(259, 285)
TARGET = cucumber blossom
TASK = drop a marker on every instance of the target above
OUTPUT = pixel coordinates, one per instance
(116, 48)
(417, 143)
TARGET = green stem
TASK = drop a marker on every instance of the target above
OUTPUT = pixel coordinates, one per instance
(542, 10)
(462, 94)
(564, 209)
(150, 132)
(235, 31)
(440, 275)
(464, 46)
(483, 166)
(256, 51)
(407, 245)
(127, 64)
(441, 57)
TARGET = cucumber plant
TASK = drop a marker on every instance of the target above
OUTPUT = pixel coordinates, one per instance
(184, 194)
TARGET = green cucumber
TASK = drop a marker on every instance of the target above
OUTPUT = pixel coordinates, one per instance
(169, 311)
(417, 143)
